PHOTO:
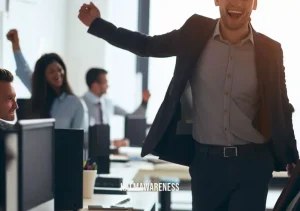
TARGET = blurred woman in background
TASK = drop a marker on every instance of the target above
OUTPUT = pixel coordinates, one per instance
(52, 96)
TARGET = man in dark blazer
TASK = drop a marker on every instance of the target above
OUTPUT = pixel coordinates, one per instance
(226, 112)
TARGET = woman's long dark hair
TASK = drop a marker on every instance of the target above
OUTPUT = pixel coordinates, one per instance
(43, 94)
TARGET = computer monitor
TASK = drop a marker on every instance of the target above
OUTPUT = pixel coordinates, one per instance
(135, 130)
(68, 169)
(30, 178)
(2, 171)
(21, 111)
(99, 147)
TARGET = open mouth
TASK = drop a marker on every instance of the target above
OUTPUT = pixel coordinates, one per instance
(234, 13)
(58, 79)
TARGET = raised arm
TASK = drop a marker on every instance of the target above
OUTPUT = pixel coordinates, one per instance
(118, 110)
(23, 71)
(166, 45)
(140, 111)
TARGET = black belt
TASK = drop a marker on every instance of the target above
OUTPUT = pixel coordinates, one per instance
(232, 151)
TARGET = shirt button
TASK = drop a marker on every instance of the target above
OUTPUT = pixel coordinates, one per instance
(229, 76)
(225, 129)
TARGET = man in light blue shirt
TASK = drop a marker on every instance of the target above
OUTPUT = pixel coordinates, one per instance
(100, 108)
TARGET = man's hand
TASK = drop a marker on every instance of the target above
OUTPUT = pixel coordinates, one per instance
(289, 168)
(13, 36)
(121, 143)
(146, 96)
(88, 13)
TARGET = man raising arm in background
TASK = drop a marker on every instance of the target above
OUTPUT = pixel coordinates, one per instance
(100, 107)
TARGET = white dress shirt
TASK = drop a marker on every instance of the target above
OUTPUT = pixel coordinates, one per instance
(108, 109)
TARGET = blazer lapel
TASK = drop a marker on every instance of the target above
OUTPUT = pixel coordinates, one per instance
(200, 37)
(197, 39)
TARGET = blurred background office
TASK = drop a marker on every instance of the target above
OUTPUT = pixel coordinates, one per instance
(52, 26)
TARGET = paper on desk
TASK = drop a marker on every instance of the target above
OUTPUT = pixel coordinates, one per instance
(105, 200)
(131, 151)
(135, 152)
(113, 209)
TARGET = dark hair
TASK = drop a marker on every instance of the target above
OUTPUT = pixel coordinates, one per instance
(6, 76)
(43, 94)
(92, 75)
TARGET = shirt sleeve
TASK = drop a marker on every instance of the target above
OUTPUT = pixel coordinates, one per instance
(23, 70)
(80, 120)
(119, 111)
(140, 111)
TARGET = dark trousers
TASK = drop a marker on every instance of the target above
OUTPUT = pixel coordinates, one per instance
(234, 183)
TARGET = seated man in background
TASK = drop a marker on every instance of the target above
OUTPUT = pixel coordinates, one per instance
(100, 108)
(8, 104)
(8, 107)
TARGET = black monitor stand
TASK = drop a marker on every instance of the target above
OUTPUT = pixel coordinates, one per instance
(99, 147)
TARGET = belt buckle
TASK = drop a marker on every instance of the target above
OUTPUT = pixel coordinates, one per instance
(230, 148)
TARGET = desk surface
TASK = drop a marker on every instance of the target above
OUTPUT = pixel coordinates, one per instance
(165, 169)
(138, 200)
(272, 198)
(146, 200)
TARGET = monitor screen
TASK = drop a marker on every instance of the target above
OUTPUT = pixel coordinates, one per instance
(135, 130)
(36, 162)
(2, 171)
(21, 111)
(99, 141)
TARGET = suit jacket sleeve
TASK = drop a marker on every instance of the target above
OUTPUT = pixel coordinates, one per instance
(166, 45)
(288, 110)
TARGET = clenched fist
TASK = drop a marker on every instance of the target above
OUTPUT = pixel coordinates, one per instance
(13, 36)
(88, 13)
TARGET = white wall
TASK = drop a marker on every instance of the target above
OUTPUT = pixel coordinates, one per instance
(53, 26)
(41, 26)
(85, 51)
(121, 64)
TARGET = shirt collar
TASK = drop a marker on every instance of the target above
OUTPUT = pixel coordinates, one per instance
(92, 97)
(5, 125)
(62, 96)
(249, 36)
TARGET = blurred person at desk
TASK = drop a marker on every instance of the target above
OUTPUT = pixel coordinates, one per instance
(8, 104)
(52, 96)
(8, 107)
(100, 107)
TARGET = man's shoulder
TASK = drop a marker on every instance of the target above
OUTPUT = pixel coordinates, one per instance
(197, 20)
(85, 97)
(268, 41)
(5, 125)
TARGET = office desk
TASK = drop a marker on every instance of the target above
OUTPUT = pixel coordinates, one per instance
(144, 201)
(125, 170)
(165, 169)
(272, 197)
(177, 171)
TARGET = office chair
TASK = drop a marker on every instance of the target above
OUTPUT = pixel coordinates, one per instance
(290, 191)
